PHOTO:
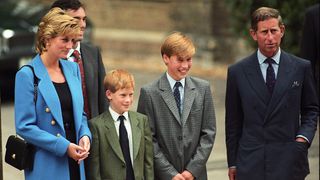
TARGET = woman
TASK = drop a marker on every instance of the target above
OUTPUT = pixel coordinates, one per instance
(55, 123)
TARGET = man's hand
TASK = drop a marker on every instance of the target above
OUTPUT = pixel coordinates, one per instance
(187, 175)
(178, 177)
(300, 139)
(232, 173)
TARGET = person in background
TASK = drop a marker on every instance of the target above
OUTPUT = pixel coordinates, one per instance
(90, 62)
(271, 107)
(310, 45)
(122, 141)
(181, 113)
(55, 123)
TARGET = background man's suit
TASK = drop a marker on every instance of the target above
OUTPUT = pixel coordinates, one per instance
(179, 144)
(106, 160)
(261, 129)
(94, 75)
(310, 45)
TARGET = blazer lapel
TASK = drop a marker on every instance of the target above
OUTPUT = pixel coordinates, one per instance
(253, 72)
(112, 136)
(136, 134)
(189, 95)
(168, 97)
(47, 90)
(88, 69)
(286, 67)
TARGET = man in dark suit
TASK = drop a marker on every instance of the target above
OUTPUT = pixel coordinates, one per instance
(271, 107)
(310, 45)
(91, 62)
(181, 113)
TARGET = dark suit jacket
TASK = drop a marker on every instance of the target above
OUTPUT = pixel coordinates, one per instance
(260, 128)
(180, 144)
(310, 45)
(106, 161)
(94, 75)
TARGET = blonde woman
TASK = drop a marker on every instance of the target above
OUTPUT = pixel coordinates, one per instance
(55, 123)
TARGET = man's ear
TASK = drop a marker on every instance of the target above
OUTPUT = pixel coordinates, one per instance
(282, 29)
(165, 58)
(253, 34)
(108, 95)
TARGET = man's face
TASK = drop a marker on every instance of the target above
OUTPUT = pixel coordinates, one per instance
(177, 67)
(81, 16)
(121, 100)
(268, 36)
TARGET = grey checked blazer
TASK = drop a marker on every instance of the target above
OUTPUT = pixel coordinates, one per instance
(180, 144)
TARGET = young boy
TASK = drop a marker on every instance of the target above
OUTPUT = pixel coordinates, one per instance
(121, 139)
(181, 113)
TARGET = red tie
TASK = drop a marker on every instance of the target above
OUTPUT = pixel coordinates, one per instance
(77, 59)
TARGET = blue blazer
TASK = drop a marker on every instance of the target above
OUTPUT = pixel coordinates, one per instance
(42, 124)
(261, 128)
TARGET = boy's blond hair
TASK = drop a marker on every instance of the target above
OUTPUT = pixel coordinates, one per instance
(118, 79)
(178, 44)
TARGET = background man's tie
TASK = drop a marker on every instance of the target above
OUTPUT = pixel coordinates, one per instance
(124, 143)
(270, 76)
(77, 59)
(176, 94)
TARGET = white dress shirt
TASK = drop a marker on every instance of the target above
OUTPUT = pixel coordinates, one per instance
(127, 124)
(172, 82)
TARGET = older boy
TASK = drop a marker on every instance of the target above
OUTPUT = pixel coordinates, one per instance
(181, 113)
(121, 139)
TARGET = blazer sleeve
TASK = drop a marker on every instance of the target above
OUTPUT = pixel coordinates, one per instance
(160, 160)
(92, 163)
(233, 118)
(208, 132)
(103, 103)
(309, 106)
(148, 155)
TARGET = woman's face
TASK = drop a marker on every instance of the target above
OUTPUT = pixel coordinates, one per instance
(59, 46)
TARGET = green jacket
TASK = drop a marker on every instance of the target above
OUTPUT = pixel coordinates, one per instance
(106, 161)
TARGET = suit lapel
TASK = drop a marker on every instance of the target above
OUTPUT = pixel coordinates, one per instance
(112, 136)
(286, 67)
(47, 90)
(136, 134)
(189, 95)
(253, 73)
(167, 96)
(88, 69)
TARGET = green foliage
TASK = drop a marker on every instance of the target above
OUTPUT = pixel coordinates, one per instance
(292, 12)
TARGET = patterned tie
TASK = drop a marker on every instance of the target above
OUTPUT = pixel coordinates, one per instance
(176, 94)
(77, 59)
(124, 143)
(270, 77)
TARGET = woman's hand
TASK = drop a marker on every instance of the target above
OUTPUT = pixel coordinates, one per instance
(84, 142)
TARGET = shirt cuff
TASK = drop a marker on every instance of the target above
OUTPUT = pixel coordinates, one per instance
(301, 136)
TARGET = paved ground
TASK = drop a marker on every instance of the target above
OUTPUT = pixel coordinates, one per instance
(145, 71)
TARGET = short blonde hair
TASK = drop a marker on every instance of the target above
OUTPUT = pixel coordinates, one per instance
(178, 44)
(55, 23)
(118, 79)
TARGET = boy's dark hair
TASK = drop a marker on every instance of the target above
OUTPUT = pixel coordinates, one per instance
(67, 4)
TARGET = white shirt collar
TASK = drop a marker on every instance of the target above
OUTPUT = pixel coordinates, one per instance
(115, 115)
(172, 82)
(262, 58)
(71, 50)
